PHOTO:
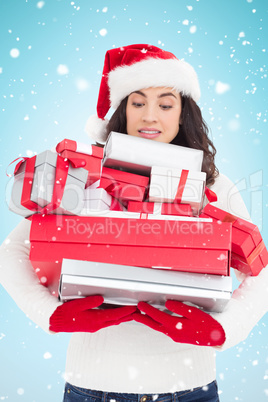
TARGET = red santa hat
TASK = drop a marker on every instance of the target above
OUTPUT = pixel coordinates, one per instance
(131, 68)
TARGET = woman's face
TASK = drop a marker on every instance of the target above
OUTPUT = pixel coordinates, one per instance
(154, 113)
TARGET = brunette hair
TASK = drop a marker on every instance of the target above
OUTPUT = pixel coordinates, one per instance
(193, 133)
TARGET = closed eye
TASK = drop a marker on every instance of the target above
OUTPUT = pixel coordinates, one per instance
(137, 104)
(166, 107)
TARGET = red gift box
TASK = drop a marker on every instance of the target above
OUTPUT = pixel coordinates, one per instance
(249, 254)
(123, 185)
(189, 245)
(83, 155)
(164, 208)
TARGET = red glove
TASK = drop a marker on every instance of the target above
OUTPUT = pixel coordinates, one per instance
(194, 326)
(80, 316)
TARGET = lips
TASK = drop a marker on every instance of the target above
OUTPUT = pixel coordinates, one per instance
(149, 133)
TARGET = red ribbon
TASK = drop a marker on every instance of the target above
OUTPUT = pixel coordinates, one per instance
(62, 168)
(143, 215)
(77, 161)
(229, 218)
(18, 165)
(181, 186)
(255, 253)
(113, 187)
(211, 196)
(28, 184)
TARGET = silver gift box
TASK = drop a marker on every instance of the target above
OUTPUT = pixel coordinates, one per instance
(97, 199)
(138, 155)
(42, 188)
(125, 285)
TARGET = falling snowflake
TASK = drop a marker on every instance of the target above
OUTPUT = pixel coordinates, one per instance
(221, 87)
(179, 325)
(82, 84)
(234, 125)
(193, 29)
(132, 372)
(14, 53)
(62, 69)
(40, 4)
(187, 361)
(47, 355)
(103, 32)
(222, 257)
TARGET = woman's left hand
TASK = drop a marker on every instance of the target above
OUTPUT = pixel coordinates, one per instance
(191, 326)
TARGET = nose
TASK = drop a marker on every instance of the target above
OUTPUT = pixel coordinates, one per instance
(149, 114)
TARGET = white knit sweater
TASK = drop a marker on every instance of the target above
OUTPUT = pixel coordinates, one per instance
(131, 357)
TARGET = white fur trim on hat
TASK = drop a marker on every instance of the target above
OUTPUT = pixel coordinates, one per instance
(96, 129)
(153, 72)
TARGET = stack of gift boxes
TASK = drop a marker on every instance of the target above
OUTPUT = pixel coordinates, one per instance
(128, 222)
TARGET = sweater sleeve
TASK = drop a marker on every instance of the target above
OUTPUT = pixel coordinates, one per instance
(19, 279)
(249, 303)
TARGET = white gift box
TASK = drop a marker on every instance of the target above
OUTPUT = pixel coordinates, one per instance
(138, 155)
(125, 214)
(96, 199)
(125, 285)
(165, 182)
(43, 185)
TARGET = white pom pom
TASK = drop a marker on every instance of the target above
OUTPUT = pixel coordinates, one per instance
(96, 129)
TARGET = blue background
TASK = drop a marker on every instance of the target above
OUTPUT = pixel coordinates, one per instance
(50, 89)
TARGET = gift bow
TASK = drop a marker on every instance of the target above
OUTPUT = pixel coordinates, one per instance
(18, 165)
(211, 196)
(76, 162)
(71, 145)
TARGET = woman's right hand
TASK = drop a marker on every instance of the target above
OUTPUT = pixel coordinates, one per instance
(188, 324)
(81, 315)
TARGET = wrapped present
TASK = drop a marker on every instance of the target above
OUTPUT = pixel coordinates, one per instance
(185, 244)
(123, 185)
(249, 254)
(97, 199)
(177, 185)
(120, 284)
(47, 183)
(138, 155)
(83, 155)
(160, 208)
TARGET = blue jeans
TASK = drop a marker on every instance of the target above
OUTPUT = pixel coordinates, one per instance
(208, 393)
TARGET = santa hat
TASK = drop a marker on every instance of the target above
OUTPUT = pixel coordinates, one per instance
(131, 68)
